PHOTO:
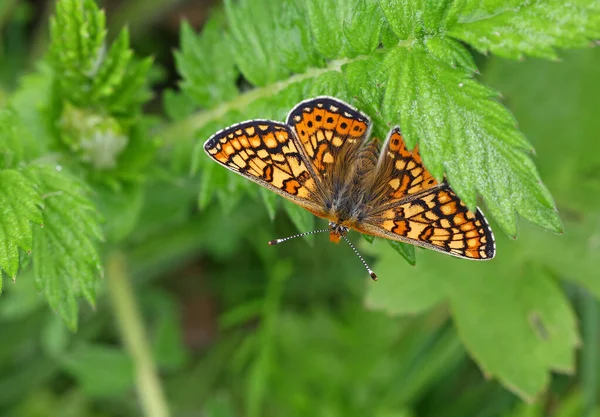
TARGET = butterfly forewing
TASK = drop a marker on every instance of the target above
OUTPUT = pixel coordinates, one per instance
(266, 153)
(329, 130)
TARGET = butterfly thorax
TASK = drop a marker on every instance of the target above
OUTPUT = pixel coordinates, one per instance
(348, 203)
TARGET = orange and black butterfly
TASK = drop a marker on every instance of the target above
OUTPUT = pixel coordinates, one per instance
(323, 160)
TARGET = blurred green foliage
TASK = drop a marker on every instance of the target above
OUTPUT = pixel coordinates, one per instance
(102, 173)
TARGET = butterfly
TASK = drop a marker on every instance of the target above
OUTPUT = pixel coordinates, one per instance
(323, 159)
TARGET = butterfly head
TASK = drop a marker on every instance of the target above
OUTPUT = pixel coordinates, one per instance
(336, 232)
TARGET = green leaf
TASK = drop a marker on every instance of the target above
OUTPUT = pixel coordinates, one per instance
(65, 260)
(363, 29)
(253, 36)
(534, 28)
(102, 371)
(20, 204)
(406, 250)
(11, 140)
(27, 102)
(326, 19)
(59, 288)
(294, 38)
(452, 52)
(88, 72)
(526, 314)
(302, 219)
(270, 199)
(369, 238)
(465, 134)
(206, 64)
(411, 20)
(505, 308)
(400, 17)
(77, 34)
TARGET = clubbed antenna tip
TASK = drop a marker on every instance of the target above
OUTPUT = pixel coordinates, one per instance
(369, 270)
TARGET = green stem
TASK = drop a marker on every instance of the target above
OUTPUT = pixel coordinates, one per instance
(589, 361)
(134, 337)
(177, 130)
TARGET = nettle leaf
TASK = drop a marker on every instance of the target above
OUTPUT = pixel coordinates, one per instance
(406, 250)
(534, 28)
(253, 34)
(88, 73)
(326, 18)
(302, 219)
(294, 39)
(66, 263)
(206, 64)
(20, 204)
(32, 133)
(401, 17)
(77, 47)
(512, 309)
(11, 141)
(363, 29)
(467, 135)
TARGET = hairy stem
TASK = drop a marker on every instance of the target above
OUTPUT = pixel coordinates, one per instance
(134, 337)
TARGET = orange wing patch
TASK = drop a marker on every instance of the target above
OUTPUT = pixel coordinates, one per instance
(402, 170)
(264, 152)
(437, 220)
(326, 127)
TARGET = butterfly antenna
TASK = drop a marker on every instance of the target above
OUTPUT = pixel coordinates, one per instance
(369, 270)
(285, 239)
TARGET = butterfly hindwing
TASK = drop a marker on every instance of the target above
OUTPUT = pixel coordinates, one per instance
(411, 206)
(400, 172)
(265, 152)
(436, 220)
